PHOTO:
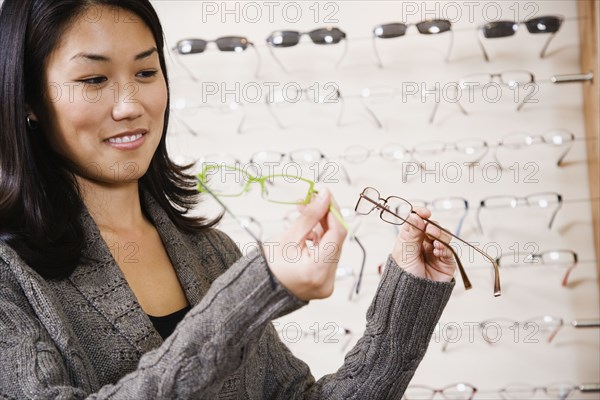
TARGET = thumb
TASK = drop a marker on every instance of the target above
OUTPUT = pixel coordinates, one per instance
(412, 238)
(310, 216)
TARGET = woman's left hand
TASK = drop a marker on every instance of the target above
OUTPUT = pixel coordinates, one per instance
(421, 256)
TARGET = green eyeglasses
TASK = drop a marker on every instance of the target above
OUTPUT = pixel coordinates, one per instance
(232, 181)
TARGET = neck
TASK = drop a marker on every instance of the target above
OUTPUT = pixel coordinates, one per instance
(114, 208)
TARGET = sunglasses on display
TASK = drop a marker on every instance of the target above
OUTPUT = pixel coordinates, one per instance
(398, 29)
(549, 24)
(321, 36)
(236, 44)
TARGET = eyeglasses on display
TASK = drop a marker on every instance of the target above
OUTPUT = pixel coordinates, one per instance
(540, 200)
(327, 94)
(456, 391)
(566, 259)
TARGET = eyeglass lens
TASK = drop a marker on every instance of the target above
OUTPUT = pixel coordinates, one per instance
(227, 43)
(544, 24)
(232, 43)
(326, 36)
(459, 391)
(397, 29)
(318, 36)
(231, 181)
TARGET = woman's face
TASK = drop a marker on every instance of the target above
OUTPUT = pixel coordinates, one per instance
(106, 96)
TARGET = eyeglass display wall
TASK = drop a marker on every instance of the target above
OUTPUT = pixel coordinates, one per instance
(399, 96)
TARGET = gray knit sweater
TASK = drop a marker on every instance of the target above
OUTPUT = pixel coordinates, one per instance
(87, 337)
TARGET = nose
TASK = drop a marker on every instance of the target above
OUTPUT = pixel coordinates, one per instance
(126, 102)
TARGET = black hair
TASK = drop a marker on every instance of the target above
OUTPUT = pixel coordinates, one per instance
(40, 201)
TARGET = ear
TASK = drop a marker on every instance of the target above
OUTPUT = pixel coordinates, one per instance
(30, 113)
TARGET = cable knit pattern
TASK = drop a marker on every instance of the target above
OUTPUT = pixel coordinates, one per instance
(87, 337)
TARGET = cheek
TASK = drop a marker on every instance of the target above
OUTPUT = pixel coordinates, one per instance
(74, 119)
(157, 101)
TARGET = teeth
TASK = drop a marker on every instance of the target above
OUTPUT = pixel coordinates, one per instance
(125, 139)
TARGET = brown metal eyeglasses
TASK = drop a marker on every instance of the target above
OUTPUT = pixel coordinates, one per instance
(396, 210)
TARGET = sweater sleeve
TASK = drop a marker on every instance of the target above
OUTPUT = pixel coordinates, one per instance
(209, 344)
(400, 322)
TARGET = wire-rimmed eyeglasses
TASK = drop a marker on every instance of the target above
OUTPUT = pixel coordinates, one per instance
(398, 29)
(328, 93)
(541, 200)
(554, 137)
(561, 258)
(523, 391)
(499, 29)
(396, 210)
(456, 391)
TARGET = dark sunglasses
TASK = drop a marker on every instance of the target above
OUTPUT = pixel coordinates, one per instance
(226, 43)
(398, 29)
(324, 36)
(544, 24)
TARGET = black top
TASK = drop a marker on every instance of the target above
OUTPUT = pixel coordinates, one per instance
(166, 325)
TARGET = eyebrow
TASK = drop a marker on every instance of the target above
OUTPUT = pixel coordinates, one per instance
(99, 57)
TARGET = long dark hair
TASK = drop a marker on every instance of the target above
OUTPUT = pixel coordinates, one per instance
(40, 201)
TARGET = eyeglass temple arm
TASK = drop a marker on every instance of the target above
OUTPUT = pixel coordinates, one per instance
(564, 154)
(379, 63)
(258, 60)
(462, 218)
(273, 113)
(337, 64)
(555, 331)
(276, 58)
(437, 105)
(481, 205)
(372, 114)
(342, 168)
(463, 274)
(342, 107)
(543, 52)
(356, 287)
(478, 33)
(182, 65)
(341, 220)
(497, 290)
(185, 124)
(450, 46)
(242, 225)
(565, 280)
(555, 212)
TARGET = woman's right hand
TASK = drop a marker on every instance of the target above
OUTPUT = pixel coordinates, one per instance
(308, 271)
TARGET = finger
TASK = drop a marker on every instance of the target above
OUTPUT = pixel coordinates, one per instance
(310, 217)
(414, 229)
(443, 252)
(434, 229)
(423, 212)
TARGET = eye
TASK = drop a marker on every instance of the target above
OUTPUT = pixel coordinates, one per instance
(94, 81)
(148, 74)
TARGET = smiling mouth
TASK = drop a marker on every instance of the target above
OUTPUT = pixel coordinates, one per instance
(125, 139)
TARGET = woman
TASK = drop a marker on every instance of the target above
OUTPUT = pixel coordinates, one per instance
(108, 288)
